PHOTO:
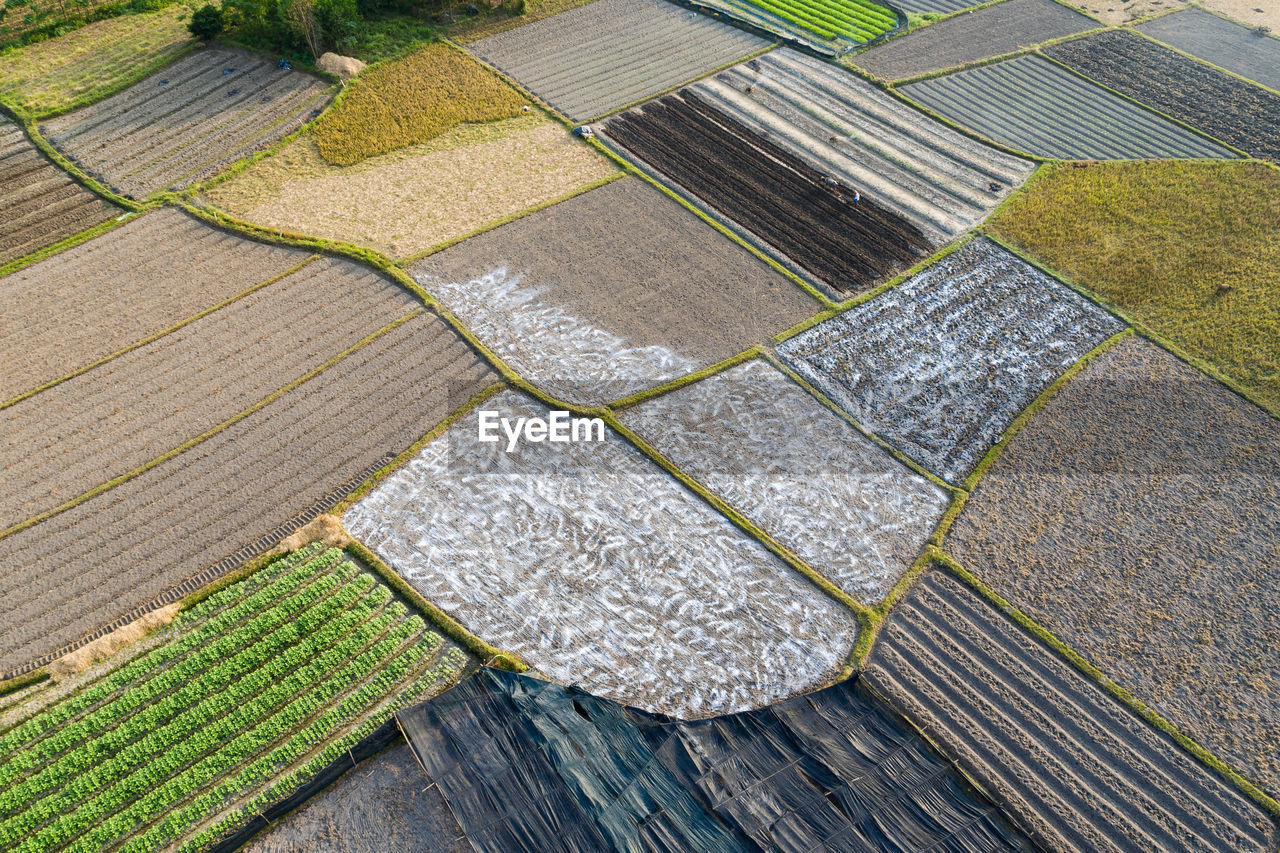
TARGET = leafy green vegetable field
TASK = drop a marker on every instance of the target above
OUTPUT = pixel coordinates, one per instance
(248, 693)
(853, 20)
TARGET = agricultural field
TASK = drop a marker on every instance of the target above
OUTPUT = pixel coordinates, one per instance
(410, 200)
(935, 7)
(798, 472)
(380, 805)
(41, 203)
(596, 58)
(411, 101)
(1136, 517)
(600, 569)
(1248, 12)
(1224, 107)
(847, 244)
(1161, 241)
(832, 25)
(939, 180)
(1032, 105)
(611, 292)
(121, 288)
(242, 697)
(1224, 43)
(990, 31)
(1066, 760)
(187, 122)
(124, 413)
(1120, 12)
(189, 516)
(942, 364)
(92, 62)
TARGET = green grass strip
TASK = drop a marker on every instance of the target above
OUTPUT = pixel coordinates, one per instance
(992, 60)
(688, 379)
(64, 244)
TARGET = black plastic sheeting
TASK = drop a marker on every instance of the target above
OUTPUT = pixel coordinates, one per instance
(530, 766)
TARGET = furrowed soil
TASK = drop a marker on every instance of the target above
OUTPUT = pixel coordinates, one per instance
(942, 364)
(610, 53)
(101, 424)
(611, 292)
(942, 7)
(1066, 761)
(93, 61)
(1032, 105)
(385, 803)
(799, 472)
(939, 180)
(83, 304)
(990, 31)
(88, 566)
(1226, 44)
(1214, 103)
(410, 200)
(41, 203)
(1137, 517)
(849, 245)
(188, 121)
(600, 569)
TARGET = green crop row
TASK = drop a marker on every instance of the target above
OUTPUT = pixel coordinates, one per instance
(830, 20)
(854, 14)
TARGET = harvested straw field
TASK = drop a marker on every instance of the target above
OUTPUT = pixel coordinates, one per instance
(418, 197)
(1226, 44)
(611, 292)
(89, 566)
(942, 364)
(610, 53)
(1066, 760)
(991, 31)
(94, 61)
(1119, 12)
(600, 569)
(124, 413)
(1187, 249)
(410, 101)
(1137, 518)
(847, 244)
(41, 203)
(940, 181)
(1032, 105)
(379, 805)
(122, 287)
(1249, 12)
(1224, 107)
(187, 122)
(240, 699)
(798, 472)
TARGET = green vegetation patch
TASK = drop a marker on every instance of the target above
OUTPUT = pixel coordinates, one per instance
(856, 20)
(92, 62)
(1188, 249)
(247, 693)
(411, 101)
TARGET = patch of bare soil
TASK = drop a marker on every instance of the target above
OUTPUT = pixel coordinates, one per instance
(325, 528)
(1255, 13)
(1123, 11)
(1137, 517)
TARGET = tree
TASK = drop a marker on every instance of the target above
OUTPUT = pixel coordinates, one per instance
(300, 17)
(206, 22)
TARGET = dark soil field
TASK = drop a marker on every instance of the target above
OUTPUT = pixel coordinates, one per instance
(1137, 517)
(1222, 106)
(117, 289)
(86, 567)
(94, 427)
(41, 203)
(1226, 44)
(990, 31)
(1067, 762)
(187, 121)
(386, 803)
(782, 199)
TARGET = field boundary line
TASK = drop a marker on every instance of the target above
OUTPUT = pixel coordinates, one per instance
(1148, 108)
(1119, 693)
(155, 336)
(137, 76)
(207, 581)
(959, 128)
(906, 275)
(1197, 4)
(822, 398)
(212, 431)
(992, 60)
(455, 630)
(680, 382)
(1156, 337)
(1200, 60)
(919, 21)
(18, 682)
(65, 243)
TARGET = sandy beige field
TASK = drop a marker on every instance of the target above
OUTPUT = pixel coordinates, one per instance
(1255, 13)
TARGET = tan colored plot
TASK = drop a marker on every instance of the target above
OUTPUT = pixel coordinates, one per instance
(1122, 12)
(410, 200)
(1255, 13)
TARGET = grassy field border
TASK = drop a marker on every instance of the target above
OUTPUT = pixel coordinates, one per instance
(65, 243)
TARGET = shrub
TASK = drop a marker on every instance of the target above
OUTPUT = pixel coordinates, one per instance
(206, 22)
